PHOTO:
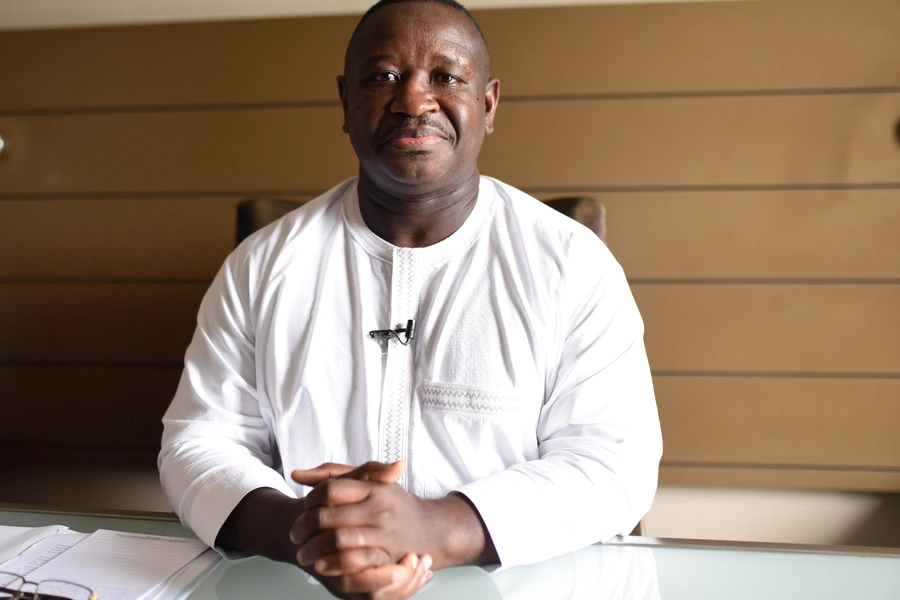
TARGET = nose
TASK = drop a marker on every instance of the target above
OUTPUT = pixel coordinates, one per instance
(414, 97)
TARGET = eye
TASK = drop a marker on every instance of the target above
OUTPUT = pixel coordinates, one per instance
(447, 79)
(384, 77)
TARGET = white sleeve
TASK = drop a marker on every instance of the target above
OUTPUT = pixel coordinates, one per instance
(599, 440)
(216, 445)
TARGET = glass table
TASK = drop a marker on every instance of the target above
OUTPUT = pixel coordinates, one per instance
(625, 568)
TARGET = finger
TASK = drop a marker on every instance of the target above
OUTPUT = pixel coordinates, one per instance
(422, 575)
(370, 471)
(404, 588)
(321, 473)
(382, 473)
(333, 541)
(377, 471)
(337, 492)
(352, 561)
(370, 581)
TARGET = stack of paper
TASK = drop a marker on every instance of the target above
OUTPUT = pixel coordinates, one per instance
(114, 564)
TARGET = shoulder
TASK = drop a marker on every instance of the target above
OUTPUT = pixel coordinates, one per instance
(305, 226)
(541, 226)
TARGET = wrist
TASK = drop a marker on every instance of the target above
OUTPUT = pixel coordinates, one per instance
(461, 537)
(261, 524)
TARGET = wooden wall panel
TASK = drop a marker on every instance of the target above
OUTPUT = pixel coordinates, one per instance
(672, 47)
(799, 140)
(786, 234)
(771, 328)
(786, 422)
(110, 323)
(660, 142)
(279, 60)
(849, 480)
(231, 151)
(126, 405)
(666, 48)
(159, 237)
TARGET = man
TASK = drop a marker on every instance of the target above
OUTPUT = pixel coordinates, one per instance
(500, 411)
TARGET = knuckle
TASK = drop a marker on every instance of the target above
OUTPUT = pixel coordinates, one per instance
(321, 518)
(348, 538)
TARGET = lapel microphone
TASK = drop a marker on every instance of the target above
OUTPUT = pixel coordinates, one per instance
(386, 334)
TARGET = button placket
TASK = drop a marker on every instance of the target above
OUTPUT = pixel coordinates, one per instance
(397, 387)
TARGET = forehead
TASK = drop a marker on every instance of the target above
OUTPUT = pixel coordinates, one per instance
(418, 28)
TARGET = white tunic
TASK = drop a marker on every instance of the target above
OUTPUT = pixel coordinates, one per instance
(526, 386)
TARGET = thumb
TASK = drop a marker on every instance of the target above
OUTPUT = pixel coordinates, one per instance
(377, 472)
(383, 473)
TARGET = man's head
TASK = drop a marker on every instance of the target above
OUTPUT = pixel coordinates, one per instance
(417, 95)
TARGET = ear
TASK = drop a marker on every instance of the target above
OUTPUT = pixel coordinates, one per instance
(342, 92)
(491, 99)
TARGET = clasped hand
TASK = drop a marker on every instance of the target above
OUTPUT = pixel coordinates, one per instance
(361, 533)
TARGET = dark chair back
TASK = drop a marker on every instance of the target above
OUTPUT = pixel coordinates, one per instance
(256, 213)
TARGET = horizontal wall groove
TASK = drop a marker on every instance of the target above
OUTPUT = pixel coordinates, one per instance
(161, 194)
(561, 190)
(764, 281)
(737, 187)
(106, 280)
(25, 363)
(688, 94)
(105, 448)
(165, 108)
(776, 374)
(517, 98)
(779, 467)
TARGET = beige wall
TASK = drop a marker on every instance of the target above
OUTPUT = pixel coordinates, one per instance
(746, 153)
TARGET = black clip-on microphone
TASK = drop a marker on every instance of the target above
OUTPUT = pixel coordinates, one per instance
(386, 334)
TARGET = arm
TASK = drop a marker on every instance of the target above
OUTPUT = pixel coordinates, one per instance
(598, 432)
(216, 445)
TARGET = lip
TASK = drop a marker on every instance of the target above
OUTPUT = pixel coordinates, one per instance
(418, 138)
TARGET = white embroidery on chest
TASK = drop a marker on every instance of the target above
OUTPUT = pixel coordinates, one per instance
(396, 395)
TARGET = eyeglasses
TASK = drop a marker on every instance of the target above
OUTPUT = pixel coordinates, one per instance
(11, 588)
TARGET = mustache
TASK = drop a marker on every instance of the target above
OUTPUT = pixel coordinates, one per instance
(425, 121)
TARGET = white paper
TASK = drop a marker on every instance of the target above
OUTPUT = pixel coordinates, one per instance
(121, 566)
(15, 540)
(38, 554)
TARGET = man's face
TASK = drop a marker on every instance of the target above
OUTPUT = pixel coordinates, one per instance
(417, 97)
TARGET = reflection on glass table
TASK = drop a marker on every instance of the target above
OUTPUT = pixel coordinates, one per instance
(627, 568)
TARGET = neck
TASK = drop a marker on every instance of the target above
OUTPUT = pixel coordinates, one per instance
(413, 219)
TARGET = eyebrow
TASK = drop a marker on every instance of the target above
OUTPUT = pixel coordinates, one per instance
(443, 58)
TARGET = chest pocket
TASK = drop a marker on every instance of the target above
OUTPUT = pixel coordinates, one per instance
(468, 402)
(470, 433)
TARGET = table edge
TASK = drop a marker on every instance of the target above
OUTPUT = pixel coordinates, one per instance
(146, 515)
(702, 544)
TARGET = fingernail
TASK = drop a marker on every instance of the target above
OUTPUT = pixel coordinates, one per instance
(321, 565)
(429, 576)
(415, 561)
(428, 562)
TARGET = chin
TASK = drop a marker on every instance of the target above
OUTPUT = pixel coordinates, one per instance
(420, 176)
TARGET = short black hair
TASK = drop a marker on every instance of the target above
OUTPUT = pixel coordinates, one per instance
(382, 3)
